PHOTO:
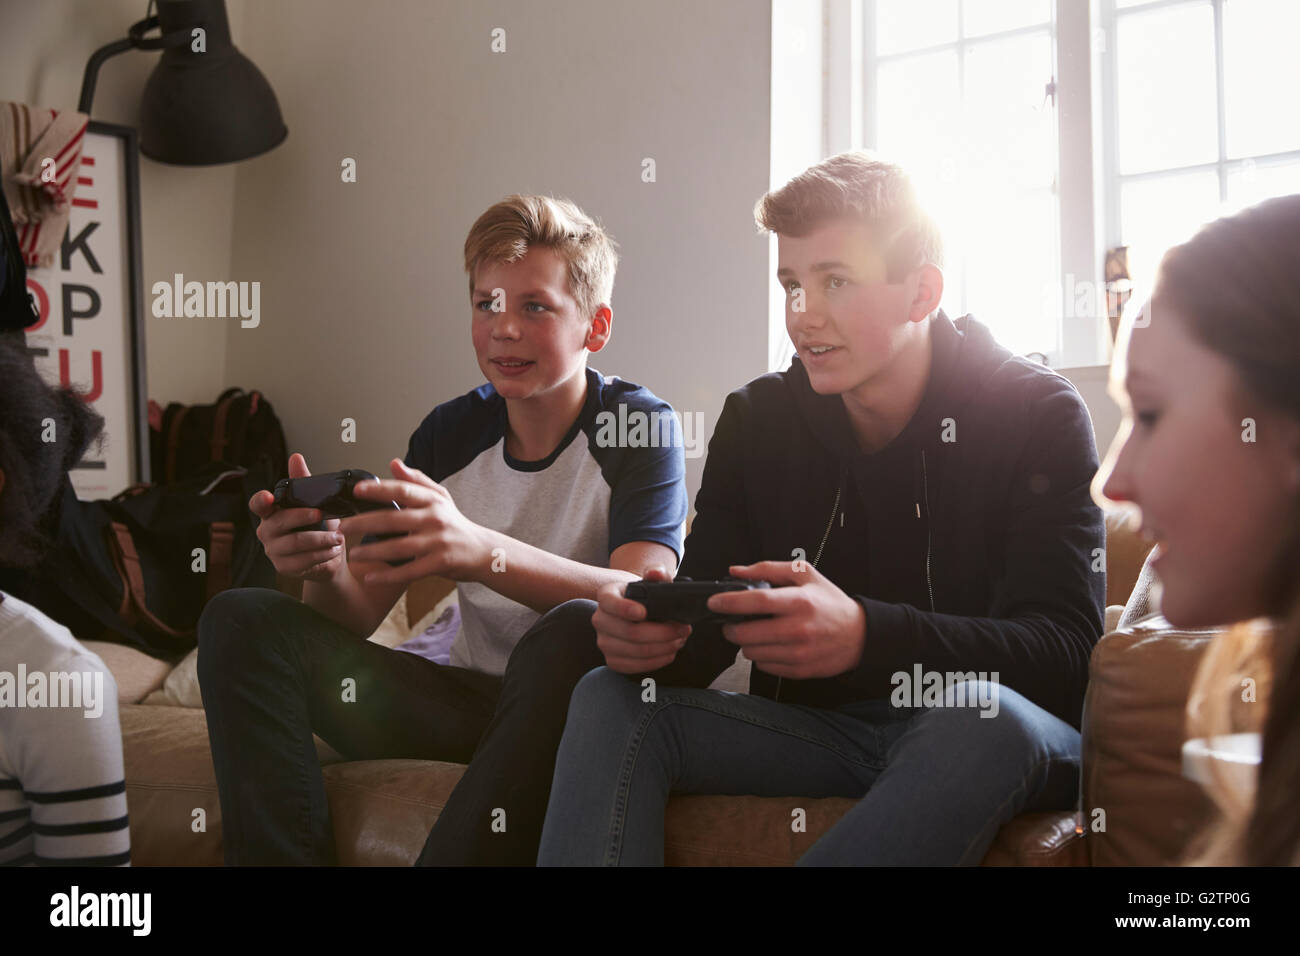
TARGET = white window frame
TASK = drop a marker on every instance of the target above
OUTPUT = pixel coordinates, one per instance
(1089, 183)
(1109, 17)
(849, 65)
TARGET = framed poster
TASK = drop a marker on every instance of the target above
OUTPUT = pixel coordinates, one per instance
(91, 329)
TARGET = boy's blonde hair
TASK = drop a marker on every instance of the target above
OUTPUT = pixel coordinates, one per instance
(509, 228)
(857, 185)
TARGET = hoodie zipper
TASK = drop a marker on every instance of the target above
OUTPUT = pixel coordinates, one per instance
(820, 548)
(925, 492)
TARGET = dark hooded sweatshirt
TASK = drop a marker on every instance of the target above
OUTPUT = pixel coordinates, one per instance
(971, 540)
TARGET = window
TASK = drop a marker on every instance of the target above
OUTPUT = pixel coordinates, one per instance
(964, 99)
(1202, 120)
(1041, 137)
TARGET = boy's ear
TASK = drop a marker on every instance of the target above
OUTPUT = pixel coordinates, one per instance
(598, 332)
(929, 292)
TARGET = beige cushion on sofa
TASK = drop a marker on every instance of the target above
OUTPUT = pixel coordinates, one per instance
(136, 673)
(382, 810)
(169, 776)
(181, 686)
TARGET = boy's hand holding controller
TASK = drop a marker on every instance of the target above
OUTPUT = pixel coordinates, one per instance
(813, 628)
(309, 555)
(804, 625)
(630, 643)
(437, 538)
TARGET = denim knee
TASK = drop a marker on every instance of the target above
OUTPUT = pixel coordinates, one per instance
(559, 638)
(606, 697)
(234, 626)
(992, 715)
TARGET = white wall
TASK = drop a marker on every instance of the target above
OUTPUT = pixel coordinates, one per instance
(364, 304)
(1091, 381)
(185, 213)
(365, 310)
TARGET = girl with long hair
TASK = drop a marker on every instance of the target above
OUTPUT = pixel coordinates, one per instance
(1209, 377)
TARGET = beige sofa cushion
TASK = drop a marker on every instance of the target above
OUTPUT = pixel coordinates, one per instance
(136, 673)
(169, 776)
(382, 810)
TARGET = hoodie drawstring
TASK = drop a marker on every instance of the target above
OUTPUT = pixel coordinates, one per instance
(830, 523)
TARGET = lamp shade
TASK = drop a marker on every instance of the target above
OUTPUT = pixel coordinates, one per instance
(208, 107)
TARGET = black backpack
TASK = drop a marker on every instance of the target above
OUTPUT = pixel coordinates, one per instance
(240, 428)
(123, 568)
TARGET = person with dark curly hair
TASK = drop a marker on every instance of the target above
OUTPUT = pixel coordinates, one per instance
(64, 804)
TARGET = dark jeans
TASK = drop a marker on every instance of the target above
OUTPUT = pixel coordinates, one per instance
(272, 671)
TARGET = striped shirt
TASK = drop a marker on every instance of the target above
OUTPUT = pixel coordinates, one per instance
(62, 789)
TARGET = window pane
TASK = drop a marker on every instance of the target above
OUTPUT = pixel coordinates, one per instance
(984, 163)
(1162, 212)
(911, 24)
(992, 16)
(1261, 75)
(1009, 129)
(919, 111)
(1253, 183)
(1012, 267)
(1167, 94)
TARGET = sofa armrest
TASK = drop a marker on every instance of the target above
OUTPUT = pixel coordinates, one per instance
(1126, 554)
(1138, 807)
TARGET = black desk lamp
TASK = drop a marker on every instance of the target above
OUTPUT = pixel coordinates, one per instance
(199, 108)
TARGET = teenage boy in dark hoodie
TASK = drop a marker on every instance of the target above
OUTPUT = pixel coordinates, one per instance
(918, 498)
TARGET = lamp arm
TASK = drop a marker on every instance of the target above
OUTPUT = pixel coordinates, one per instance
(135, 40)
(92, 71)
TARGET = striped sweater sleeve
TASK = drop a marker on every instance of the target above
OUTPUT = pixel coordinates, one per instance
(67, 760)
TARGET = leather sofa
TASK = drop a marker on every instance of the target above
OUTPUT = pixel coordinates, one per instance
(383, 809)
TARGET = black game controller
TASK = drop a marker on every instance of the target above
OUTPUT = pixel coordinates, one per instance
(332, 495)
(686, 601)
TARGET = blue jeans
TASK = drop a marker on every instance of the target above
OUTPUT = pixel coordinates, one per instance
(933, 785)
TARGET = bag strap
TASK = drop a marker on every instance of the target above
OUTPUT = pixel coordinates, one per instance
(221, 553)
(127, 562)
(124, 610)
(132, 491)
(237, 472)
(72, 584)
(174, 442)
(219, 439)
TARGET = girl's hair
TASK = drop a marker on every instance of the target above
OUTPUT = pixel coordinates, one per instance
(44, 431)
(1237, 283)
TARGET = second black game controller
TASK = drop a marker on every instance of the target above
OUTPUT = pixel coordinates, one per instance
(686, 601)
